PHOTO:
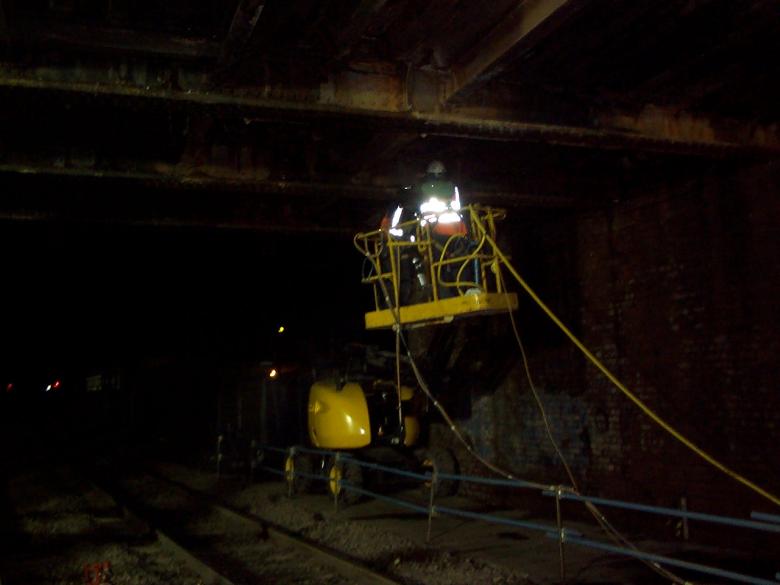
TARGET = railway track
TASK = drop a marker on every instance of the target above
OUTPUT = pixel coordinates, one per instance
(226, 546)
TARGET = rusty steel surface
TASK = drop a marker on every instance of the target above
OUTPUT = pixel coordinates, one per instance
(114, 39)
(282, 188)
(3, 25)
(527, 19)
(364, 13)
(242, 27)
(376, 101)
(543, 103)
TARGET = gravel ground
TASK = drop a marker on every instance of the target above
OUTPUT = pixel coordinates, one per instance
(393, 541)
(63, 525)
(385, 551)
(235, 548)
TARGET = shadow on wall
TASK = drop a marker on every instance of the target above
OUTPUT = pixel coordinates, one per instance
(507, 427)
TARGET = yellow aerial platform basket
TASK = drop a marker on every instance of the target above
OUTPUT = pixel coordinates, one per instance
(427, 271)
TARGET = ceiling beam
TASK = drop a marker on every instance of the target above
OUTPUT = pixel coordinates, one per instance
(382, 147)
(362, 16)
(378, 102)
(235, 182)
(669, 124)
(25, 31)
(526, 24)
(242, 26)
(152, 220)
(3, 25)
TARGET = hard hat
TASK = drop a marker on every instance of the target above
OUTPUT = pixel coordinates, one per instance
(436, 168)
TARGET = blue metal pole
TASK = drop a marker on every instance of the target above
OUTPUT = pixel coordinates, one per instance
(765, 517)
(496, 519)
(669, 561)
(393, 470)
(495, 481)
(402, 503)
(727, 520)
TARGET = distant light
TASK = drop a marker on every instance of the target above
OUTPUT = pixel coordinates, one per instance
(48, 388)
(56, 384)
(281, 329)
(9, 387)
(272, 373)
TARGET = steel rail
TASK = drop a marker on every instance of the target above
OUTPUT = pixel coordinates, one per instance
(205, 572)
(348, 568)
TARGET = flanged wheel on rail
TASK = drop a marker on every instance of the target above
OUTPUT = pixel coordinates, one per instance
(345, 471)
(439, 460)
(294, 465)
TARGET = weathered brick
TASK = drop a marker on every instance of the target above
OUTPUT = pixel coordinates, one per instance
(677, 293)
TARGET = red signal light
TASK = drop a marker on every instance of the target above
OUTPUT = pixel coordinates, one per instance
(56, 384)
(9, 387)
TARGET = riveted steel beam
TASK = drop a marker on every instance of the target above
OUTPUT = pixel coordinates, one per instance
(3, 25)
(237, 223)
(526, 23)
(113, 39)
(362, 16)
(237, 183)
(242, 26)
(666, 124)
(378, 101)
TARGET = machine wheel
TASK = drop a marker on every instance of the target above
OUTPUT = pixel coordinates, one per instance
(442, 461)
(294, 465)
(349, 472)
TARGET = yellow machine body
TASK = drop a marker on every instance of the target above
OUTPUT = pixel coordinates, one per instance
(338, 417)
(411, 430)
(407, 393)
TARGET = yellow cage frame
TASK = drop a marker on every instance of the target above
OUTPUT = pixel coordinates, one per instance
(447, 300)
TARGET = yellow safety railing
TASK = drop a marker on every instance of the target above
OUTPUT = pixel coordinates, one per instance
(426, 260)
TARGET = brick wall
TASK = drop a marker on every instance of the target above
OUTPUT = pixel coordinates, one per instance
(676, 290)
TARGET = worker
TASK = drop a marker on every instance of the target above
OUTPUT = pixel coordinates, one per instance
(440, 209)
(400, 225)
(440, 202)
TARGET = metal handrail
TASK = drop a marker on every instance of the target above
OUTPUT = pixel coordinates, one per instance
(763, 522)
(660, 559)
(381, 247)
(712, 518)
